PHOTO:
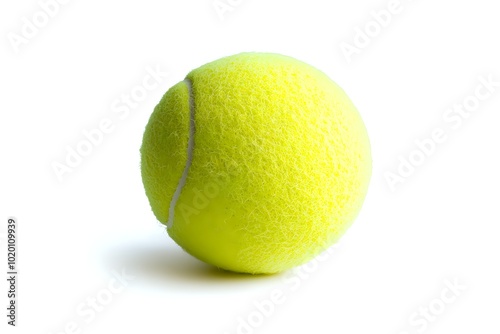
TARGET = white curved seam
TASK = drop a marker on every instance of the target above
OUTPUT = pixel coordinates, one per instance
(190, 149)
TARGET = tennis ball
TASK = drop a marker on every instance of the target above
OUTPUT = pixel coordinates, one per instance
(256, 162)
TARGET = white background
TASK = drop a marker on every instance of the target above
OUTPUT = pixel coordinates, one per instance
(440, 225)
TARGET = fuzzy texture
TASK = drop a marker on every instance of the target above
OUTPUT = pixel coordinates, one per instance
(280, 167)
